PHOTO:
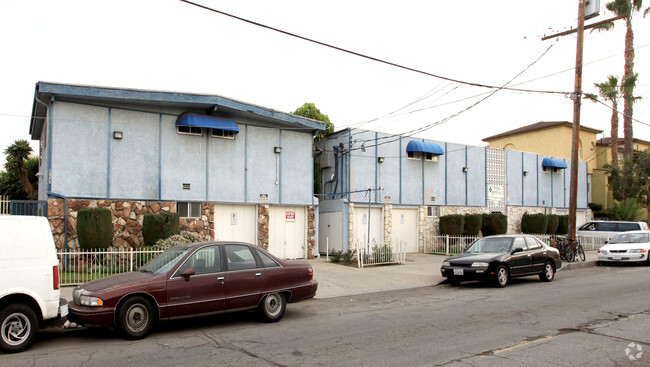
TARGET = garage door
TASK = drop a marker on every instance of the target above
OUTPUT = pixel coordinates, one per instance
(235, 223)
(361, 227)
(405, 228)
(287, 232)
(330, 230)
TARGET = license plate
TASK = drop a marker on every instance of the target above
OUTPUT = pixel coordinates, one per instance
(617, 257)
(64, 310)
(458, 272)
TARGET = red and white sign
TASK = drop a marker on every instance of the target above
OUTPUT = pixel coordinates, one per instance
(290, 216)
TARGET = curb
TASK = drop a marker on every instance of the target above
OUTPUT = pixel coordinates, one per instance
(578, 265)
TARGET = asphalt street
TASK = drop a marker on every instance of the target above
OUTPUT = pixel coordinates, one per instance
(595, 316)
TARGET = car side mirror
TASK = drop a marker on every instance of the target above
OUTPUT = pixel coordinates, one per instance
(606, 241)
(187, 273)
(517, 249)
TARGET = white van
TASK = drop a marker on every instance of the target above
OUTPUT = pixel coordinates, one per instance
(29, 280)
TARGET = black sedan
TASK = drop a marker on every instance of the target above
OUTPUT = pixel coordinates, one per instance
(502, 257)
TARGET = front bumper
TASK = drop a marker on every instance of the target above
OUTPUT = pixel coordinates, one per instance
(467, 273)
(90, 316)
(622, 257)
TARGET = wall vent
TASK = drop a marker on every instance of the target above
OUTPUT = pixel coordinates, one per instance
(186, 187)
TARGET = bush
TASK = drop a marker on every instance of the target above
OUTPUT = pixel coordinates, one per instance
(563, 225)
(177, 239)
(94, 228)
(159, 226)
(534, 223)
(472, 225)
(494, 223)
(336, 256)
(553, 223)
(452, 225)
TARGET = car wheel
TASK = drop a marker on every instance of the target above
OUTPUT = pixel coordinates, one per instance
(19, 325)
(272, 307)
(502, 276)
(135, 318)
(549, 272)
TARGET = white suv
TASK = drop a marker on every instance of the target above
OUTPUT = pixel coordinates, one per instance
(29, 280)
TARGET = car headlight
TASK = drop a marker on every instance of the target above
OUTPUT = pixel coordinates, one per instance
(604, 252)
(637, 251)
(480, 264)
(446, 263)
(91, 301)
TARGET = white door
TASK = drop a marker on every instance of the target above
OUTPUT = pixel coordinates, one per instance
(235, 223)
(405, 228)
(288, 232)
(361, 222)
(330, 232)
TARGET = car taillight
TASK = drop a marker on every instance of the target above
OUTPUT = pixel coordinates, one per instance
(311, 273)
(55, 276)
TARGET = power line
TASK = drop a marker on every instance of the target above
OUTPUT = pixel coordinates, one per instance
(364, 55)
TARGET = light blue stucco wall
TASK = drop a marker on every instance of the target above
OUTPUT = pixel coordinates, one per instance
(152, 161)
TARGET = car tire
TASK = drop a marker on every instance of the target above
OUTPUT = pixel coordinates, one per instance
(501, 276)
(18, 324)
(549, 272)
(135, 318)
(272, 307)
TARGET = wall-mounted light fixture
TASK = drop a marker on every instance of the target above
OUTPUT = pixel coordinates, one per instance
(465, 169)
(380, 159)
(117, 135)
(525, 173)
(277, 150)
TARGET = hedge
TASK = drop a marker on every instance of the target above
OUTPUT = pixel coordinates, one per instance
(452, 225)
(494, 223)
(534, 223)
(94, 228)
(159, 226)
(472, 225)
(563, 225)
(553, 223)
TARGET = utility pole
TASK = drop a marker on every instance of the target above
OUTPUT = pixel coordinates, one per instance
(576, 97)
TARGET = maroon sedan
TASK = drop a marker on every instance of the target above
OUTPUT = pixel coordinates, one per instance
(193, 280)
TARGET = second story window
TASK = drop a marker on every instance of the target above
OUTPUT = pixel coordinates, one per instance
(221, 133)
(189, 130)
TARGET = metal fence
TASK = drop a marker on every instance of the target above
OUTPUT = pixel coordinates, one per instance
(80, 266)
(28, 207)
(382, 255)
(450, 245)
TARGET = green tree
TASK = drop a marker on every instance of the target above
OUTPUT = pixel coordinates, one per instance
(19, 167)
(609, 90)
(309, 110)
(624, 210)
(632, 180)
(627, 9)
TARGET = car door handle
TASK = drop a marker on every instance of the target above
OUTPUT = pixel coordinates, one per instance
(221, 279)
(258, 275)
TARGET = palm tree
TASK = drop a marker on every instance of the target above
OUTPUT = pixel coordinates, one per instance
(626, 9)
(609, 91)
(16, 156)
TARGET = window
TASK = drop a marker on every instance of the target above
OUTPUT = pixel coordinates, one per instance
(519, 243)
(433, 211)
(533, 243)
(267, 261)
(221, 133)
(414, 155)
(189, 210)
(430, 157)
(240, 257)
(205, 261)
(550, 169)
(189, 130)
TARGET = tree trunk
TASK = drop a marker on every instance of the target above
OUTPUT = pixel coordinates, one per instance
(628, 96)
(613, 143)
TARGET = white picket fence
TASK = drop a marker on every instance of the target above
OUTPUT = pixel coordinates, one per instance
(381, 255)
(80, 266)
(4, 205)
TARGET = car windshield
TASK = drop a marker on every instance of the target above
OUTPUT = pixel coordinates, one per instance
(494, 245)
(630, 238)
(165, 261)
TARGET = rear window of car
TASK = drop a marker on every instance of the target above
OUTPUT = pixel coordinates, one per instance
(607, 227)
(623, 227)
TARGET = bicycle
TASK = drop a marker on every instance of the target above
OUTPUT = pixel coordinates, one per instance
(569, 251)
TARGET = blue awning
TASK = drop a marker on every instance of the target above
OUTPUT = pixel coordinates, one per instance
(213, 122)
(421, 146)
(554, 163)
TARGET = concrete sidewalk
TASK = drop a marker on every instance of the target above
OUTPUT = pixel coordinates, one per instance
(420, 270)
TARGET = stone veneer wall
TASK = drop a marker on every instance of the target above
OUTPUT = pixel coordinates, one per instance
(263, 226)
(388, 224)
(127, 218)
(311, 231)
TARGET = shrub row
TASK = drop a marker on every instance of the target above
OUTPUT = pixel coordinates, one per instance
(473, 224)
(545, 223)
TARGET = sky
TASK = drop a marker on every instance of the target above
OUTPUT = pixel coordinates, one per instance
(170, 45)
